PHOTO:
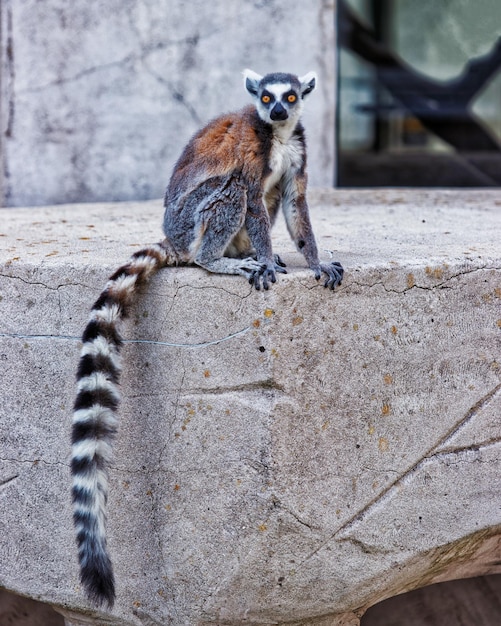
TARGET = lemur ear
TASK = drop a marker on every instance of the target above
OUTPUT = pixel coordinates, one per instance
(251, 81)
(308, 82)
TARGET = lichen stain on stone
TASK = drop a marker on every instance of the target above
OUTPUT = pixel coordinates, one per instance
(437, 272)
(383, 444)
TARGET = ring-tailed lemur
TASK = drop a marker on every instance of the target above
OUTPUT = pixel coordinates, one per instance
(220, 204)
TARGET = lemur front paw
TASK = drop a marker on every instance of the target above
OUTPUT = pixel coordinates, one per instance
(266, 274)
(334, 273)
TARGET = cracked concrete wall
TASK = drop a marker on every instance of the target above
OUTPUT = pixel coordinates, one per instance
(98, 99)
(293, 456)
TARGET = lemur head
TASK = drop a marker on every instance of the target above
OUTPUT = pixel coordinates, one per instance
(279, 97)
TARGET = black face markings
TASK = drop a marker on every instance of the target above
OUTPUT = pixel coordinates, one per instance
(278, 112)
(290, 97)
(279, 104)
(267, 98)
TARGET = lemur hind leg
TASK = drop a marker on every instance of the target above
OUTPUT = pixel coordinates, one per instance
(220, 218)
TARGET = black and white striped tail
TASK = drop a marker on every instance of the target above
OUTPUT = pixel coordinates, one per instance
(94, 419)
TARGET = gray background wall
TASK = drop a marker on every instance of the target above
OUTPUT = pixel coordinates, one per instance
(98, 98)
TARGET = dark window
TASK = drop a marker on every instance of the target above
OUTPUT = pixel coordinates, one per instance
(419, 97)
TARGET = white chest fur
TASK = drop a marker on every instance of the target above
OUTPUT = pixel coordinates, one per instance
(284, 157)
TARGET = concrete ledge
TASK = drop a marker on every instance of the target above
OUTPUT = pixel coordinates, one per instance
(290, 457)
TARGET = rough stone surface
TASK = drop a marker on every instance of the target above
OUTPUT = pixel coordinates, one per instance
(98, 99)
(293, 456)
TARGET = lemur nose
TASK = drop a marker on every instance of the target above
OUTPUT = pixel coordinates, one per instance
(278, 112)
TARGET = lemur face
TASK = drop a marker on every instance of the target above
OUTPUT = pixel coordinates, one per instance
(279, 97)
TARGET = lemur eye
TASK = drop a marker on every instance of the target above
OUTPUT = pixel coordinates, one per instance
(266, 99)
(292, 97)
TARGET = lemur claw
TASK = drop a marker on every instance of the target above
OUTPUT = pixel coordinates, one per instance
(263, 274)
(279, 263)
(266, 274)
(334, 273)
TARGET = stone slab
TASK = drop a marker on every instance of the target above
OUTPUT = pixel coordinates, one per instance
(292, 456)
